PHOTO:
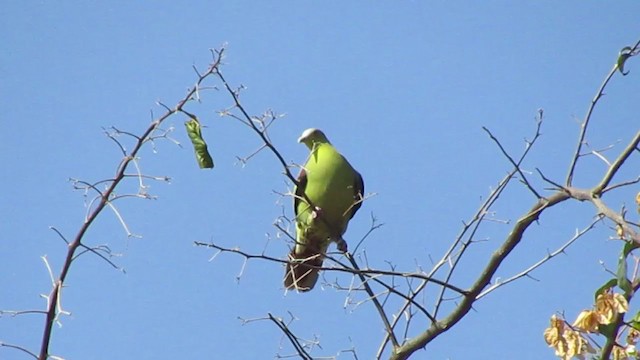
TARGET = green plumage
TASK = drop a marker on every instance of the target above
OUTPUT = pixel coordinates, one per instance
(334, 189)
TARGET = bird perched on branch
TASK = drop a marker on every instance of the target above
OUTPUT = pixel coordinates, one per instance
(328, 193)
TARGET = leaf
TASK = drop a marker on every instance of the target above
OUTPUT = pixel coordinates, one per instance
(607, 330)
(629, 246)
(199, 145)
(608, 285)
(624, 54)
(635, 322)
(623, 281)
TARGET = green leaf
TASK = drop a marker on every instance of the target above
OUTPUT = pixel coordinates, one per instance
(608, 285)
(607, 330)
(624, 54)
(635, 322)
(623, 281)
(199, 145)
(629, 246)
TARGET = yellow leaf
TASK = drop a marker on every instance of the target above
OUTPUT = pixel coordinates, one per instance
(587, 321)
(619, 353)
(609, 305)
(577, 345)
(553, 336)
(620, 303)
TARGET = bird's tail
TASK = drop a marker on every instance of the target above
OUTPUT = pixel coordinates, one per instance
(302, 270)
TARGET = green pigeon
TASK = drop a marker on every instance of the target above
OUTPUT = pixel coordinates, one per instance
(335, 190)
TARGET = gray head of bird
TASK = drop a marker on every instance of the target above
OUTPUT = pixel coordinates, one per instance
(313, 136)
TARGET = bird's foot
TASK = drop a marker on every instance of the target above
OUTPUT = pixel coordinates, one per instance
(342, 245)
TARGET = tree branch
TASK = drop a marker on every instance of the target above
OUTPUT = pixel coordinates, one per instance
(585, 124)
(439, 327)
(104, 201)
(292, 338)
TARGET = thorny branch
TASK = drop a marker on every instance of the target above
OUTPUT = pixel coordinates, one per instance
(516, 165)
(551, 255)
(343, 268)
(105, 199)
(464, 239)
(585, 124)
(468, 235)
(293, 339)
(402, 349)
(20, 348)
(561, 194)
(262, 133)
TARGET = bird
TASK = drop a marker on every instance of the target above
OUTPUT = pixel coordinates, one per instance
(328, 193)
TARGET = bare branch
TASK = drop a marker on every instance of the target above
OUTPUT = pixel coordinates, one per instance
(585, 124)
(250, 121)
(343, 268)
(622, 184)
(53, 299)
(292, 338)
(549, 256)
(613, 169)
(374, 299)
(24, 350)
(437, 328)
(14, 313)
(97, 250)
(516, 165)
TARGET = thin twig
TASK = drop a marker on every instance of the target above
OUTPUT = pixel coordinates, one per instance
(437, 328)
(292, 338)
(549, 256)
(516, 165)
(613, 169)
(17, 347)
(375, 301)
(343, 268)
(585, 124)
(53, 305)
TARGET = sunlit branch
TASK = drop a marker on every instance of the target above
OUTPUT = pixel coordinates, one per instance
(622, 184)
(374, 226)
(16, 347)
(613, 169)
(97, 251)
(585, 124)
(53, 299)
(343, 268)
(479, 288)
(549, 256)
(516, 165)
(14, 313)
(249, 120)
(292, 338)
(469, 230)
(471, 227)
(262, 133)
(437, 328)
(374, 299)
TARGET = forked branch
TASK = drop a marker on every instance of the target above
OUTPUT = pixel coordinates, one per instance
(104, 200)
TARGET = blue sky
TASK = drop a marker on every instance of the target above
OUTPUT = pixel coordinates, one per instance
(402, 89)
